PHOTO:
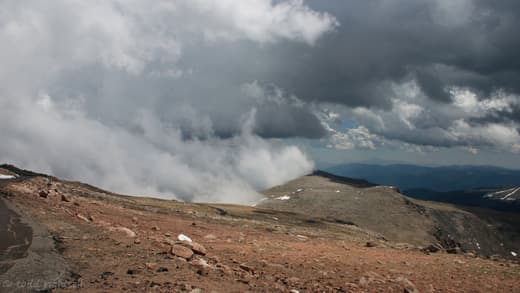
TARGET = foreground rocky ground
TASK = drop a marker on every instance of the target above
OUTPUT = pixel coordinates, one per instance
(116, 243)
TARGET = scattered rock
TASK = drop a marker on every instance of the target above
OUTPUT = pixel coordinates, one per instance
(363, 282)
(167, 234)
(408, 286)
(132, 271)
(352, 286)
(198, 248)
(453, 250)
(65, 198)
(202, 271)
(155, 228)
(196, 290)
(43, 193)
(105, 275)
(302, 237)
(80, 216)
(169, 241)
(246, 268)
(210, 237)
(181, 251)
(293, 281)
(432, 248)
(137, 241)
(124, 230)
(162, 270)
(200, 263)
(150, 265)
(91, 218)
(371, 244)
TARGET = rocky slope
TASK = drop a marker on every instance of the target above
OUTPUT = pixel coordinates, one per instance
(114, 243)
(395, 217)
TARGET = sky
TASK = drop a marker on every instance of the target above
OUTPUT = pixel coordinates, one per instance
(214, 100)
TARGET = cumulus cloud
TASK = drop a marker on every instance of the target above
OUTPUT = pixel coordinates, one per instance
(262, 20)
(122, 94)
(439, 44)
(153, 161)
(416, 120)
(168, 88)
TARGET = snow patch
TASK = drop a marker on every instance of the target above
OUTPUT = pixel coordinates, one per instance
(5, 177)
(511, 193)
(338, 191)
(508, 193)
(514, 253)
(183, 237)
(285, 197)
(299, 190)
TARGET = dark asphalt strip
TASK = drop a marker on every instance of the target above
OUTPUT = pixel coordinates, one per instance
(15, 237)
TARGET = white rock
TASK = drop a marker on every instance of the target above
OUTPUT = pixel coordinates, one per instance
(513, 253)
(183, 237)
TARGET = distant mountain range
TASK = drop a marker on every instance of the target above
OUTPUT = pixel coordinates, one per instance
(483, 186)
(446, 178)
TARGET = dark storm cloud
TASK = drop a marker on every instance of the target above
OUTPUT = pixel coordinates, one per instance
(278, 121)
(476, 42)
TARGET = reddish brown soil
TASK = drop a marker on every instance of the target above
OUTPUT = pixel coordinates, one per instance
(245, 254)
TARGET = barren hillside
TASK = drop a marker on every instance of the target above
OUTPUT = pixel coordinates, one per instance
(104, 242)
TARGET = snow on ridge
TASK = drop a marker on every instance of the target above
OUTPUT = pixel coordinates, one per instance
(5, 177)
(499, 193)
(511, 193)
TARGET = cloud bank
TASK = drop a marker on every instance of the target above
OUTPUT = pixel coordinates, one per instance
(200, 99)
(103, 91)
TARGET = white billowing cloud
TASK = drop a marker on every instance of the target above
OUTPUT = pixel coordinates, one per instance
(130, 34)
(353, 138)
(262, 21)
(416, 120)
(469, 103)
(493, 134)
(154, 161)
(346, 139)
(86, 93)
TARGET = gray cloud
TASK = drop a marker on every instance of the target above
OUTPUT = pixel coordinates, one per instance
(437, 43)
(130, 97)
(172, 85)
